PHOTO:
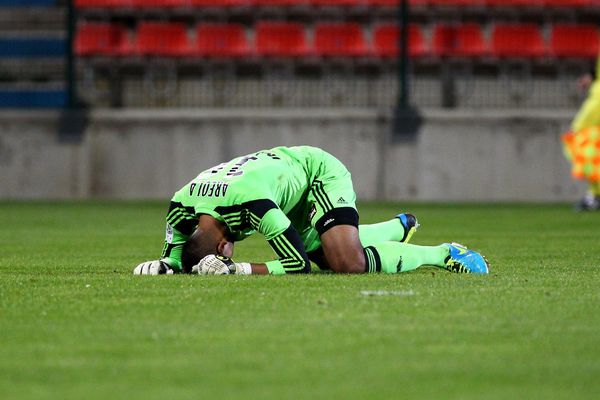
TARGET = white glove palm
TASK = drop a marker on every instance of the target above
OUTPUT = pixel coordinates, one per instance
(155, 267)
(220, 265)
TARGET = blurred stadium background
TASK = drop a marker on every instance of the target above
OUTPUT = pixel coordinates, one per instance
(422, 99)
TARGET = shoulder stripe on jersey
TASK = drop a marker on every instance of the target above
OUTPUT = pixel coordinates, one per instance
(321, 190)
(235, 215)
(259, 207)
(256, 207)
(174, 215)
(321, 196)
(254, 221)
(175, 205)
(247, 214)
(182, 218)
(186, 226)
(226, 210)
(234, 220)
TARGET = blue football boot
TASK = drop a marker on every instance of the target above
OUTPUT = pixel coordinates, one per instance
(410, 224)
(463, 260)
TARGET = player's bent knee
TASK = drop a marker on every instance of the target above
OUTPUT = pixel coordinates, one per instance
(352, 262)
(343, 250)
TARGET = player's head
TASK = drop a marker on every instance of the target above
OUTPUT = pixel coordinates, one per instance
(210, 237)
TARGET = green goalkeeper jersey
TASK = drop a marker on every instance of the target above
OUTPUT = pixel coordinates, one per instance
(265, 192)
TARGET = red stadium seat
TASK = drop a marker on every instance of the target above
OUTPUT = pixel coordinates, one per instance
(386, 37)
(517, 40)
(395, 3)
(453, 3)
(577, 41)
(382, 3)
(422, 3)
(102, 3)
(280, 39)
(159, 3)
(337, 3)
(221, 40)
(162, 39)
(278, 3)
(219, 3)
(514, 3)
(100, 39)
(339, 39)
(464, 40)
(570, 3)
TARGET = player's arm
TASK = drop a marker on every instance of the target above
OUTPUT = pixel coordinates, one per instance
(179, 225)
(170, 259)
(283, 238)
(173, 246)
(288, 246)
(216, 264)
(292, 257)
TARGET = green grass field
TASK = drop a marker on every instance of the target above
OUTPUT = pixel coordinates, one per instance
(75, 324)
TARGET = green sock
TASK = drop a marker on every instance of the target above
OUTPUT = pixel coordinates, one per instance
(392, 257)
(593, 186)
(388, 231)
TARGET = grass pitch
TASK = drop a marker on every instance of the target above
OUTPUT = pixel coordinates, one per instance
(75, 324)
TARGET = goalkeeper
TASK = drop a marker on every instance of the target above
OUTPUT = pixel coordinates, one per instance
(301, 199)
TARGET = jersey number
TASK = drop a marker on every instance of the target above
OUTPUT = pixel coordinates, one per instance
(236, 168)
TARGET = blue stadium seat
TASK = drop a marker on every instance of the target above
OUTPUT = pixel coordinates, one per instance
(33, 98)
(26, 47)
(27, 3)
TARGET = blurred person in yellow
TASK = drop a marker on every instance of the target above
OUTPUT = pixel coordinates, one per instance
(582, 143)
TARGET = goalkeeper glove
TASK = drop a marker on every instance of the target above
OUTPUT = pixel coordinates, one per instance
(220, 265)
(155, 267)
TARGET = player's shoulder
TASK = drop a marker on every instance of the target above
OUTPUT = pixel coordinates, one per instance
(303, 149)
(304, 155)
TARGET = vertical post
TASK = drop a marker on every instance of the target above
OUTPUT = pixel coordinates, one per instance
(70, 78)
(406, 118)
(403, 92)
(73, 118)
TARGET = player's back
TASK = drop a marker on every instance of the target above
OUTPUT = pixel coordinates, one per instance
(281, 174)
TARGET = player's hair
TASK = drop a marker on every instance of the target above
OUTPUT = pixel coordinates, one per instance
(195, 249)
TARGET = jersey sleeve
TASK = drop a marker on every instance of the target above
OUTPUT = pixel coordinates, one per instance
(181, 223)
(292, 255)
(172, 249)
(283, 238)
